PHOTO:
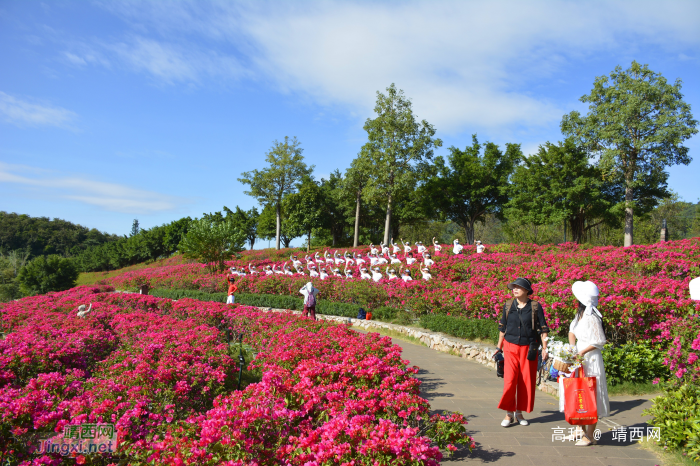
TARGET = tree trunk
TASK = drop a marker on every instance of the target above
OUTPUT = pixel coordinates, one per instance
(357, 221)
(387, 223)
(629, 216)
(469, 232)
(308, 245)
(251, 239)
(279, 227)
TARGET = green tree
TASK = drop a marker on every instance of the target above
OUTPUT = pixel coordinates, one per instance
(267, 225)
(212, 241)
(135, 227)
(305, 209)
(247, 220)
(670, 209)
(471, 185)
(285, 171)
(47, 273)
(356, 178)
(397, 143)
(636, 125)
(558, 184)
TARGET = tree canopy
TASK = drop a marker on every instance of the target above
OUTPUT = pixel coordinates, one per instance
(471, 185)
(396, 144)
(286, 169)
(636, 125)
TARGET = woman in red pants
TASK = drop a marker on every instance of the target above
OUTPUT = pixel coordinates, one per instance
(519, 332)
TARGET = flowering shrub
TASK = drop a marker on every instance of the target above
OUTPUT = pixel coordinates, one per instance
(640, 286)
(163, 373)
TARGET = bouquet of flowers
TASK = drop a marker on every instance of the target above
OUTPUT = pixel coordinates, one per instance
(566, 357)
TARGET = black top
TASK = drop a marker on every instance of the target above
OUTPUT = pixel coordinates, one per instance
(515, 332)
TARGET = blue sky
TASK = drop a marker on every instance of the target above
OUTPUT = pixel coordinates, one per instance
(116, 110)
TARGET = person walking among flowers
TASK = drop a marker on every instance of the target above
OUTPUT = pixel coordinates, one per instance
(522, 323)
(587, 334)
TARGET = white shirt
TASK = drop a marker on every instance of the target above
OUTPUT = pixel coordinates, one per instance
(376, 276)
(421, 249)
(426, 275)
(395, 260)
(480, 248)
(269, 272)
(406, 278)
(429, 262)
(410, 260)
(365, 275)
(313, 273)
(392, 276)
(589, 332)
(457, 248)
(305, 292)
(323, 275)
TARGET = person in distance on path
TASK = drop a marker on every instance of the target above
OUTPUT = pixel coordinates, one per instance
(516, 335)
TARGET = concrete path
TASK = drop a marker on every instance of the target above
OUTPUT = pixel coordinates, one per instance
(456, 384)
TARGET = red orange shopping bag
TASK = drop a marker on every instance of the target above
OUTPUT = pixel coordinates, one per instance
(580, 402)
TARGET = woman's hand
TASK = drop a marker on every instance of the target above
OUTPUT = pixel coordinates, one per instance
(544, 353)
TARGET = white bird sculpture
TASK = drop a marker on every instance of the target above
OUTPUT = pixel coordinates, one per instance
(82, 312)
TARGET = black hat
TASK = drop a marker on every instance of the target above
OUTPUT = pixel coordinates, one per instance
(523, 283)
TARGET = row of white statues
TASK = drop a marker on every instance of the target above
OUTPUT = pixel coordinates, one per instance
(317, 265)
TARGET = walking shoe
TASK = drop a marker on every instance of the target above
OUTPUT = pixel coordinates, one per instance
(510, 418)
(521, 420)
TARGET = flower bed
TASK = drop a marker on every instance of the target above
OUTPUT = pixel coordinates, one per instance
(164, 374)
(640, 286)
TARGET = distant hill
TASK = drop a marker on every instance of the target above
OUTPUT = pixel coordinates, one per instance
(41, 235)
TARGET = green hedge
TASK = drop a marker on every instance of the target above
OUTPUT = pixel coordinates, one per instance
(469, 329)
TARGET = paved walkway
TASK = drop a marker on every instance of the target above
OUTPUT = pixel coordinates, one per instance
(456, 384)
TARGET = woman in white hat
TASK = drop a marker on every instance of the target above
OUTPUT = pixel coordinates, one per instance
(310, 294)
(586, 332)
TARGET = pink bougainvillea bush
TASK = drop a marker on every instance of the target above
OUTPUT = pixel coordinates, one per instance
(640, 286)
(164, 373)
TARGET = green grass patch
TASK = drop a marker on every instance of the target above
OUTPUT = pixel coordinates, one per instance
(633, 388)
(393, 334)
(668, 457)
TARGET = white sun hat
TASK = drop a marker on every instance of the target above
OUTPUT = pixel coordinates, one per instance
(694, 286)
(587, 293)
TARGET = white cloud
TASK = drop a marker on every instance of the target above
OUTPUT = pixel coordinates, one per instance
(23, 113)
(171, 63)
(109, 196)
(463, 63)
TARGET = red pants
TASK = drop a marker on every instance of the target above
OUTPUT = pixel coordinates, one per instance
(311, 310)
(519, 375)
